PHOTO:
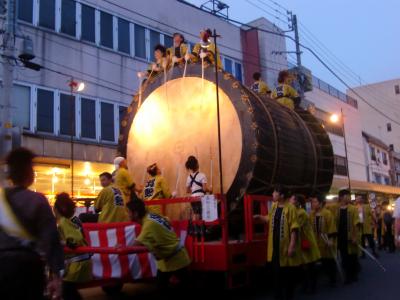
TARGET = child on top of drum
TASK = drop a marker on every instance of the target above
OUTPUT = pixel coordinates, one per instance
(156, 188)
(259, 86)
(284, 93)
(78, 268)
(161, 62)
(196, 183)
(179, 49)
(206, 49)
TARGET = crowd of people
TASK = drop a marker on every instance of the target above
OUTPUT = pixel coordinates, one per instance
(332, 235)
(33, 235)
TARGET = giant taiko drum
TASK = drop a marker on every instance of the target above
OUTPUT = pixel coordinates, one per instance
(263, 142)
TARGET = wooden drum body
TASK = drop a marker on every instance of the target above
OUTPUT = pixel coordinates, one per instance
(263, 142)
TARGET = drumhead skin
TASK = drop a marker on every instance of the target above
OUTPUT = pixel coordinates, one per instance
(263, 142)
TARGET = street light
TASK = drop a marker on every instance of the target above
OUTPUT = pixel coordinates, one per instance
(335, 118)
(75, 86)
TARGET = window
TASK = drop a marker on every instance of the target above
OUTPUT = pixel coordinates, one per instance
(122, 111)
(25, 10)
(397, 89)
(154, 41)
(372, 153)
(67, 114)
(47, 13)
(389, 127)
(386, 180)
(123, 36)
(88, 118)
(168, 41)
(88, 24)
(68, 15)
(107, 122)
(45, 111)
(106, 29)
(238, 71)
(377, 178)
(324, 86)
(340, 165)
(140, 41)
(228, 65)
(21, 106)
(384, 158)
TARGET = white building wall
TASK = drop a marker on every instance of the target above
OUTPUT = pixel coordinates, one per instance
(381, 95)
(353, 130)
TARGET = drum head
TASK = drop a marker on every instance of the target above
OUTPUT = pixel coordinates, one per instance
(179, 119)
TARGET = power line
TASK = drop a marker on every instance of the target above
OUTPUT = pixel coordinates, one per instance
(279, 5)
(324, 64)
(186, 32)
(69, 76)
(267, 12)
(333, 60)
(274, 9)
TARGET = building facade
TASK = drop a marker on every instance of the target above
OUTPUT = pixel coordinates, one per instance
(106, 43)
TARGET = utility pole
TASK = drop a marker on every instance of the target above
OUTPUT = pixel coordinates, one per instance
(298, 56)
(8, 78)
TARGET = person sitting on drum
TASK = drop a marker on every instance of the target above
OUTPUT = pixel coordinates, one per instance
(160, 64)
(284, 93)
(155, 188)
(196, 183)
(205, 49)
(259, 86)
(179, 49)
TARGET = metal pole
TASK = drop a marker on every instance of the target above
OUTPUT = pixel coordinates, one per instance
(72, 108)
(8, 77)
(345, 148)
(218, 114)
(298, 55)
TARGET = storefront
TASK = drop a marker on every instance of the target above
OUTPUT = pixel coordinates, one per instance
(53, 176)
(379, 192)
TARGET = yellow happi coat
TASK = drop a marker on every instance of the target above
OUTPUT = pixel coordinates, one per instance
(306, 233)
(327, 227)
(285, 95)
(183, 48)
(70, 232)
(210, 49)
(368, 221)
(289, 222)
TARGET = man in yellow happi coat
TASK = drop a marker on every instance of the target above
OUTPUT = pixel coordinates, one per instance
(283, 252)
(348, 225)
(110, 202)
(307, 244)
(367, 224)
(324, 226)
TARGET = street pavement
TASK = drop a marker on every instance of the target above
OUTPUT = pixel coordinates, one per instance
(373, 284)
